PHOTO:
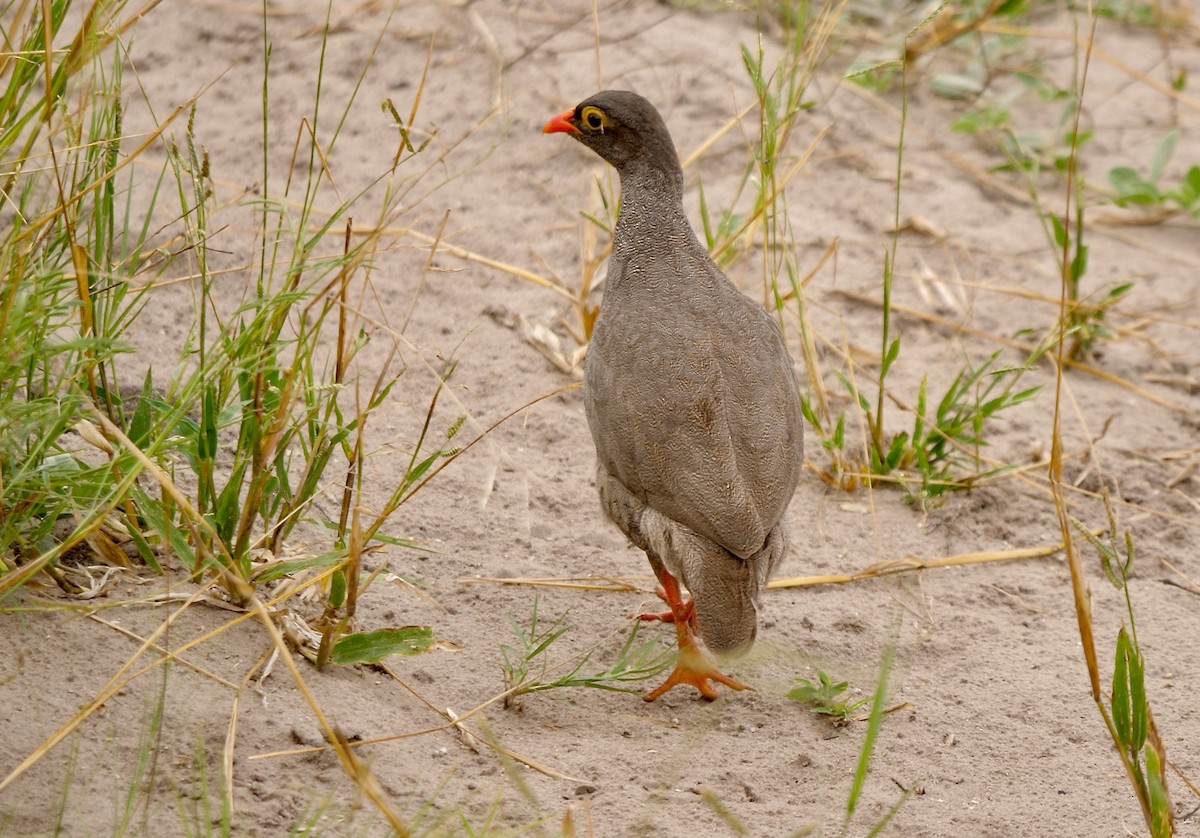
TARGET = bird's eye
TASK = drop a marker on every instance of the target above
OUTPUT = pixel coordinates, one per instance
(593, 118)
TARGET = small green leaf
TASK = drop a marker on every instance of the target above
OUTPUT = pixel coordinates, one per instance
(1118, 291)
(275, 571)
(956, 86)
(1138, 708)
(1060, 229)
(893, 352)
(810, 415)
(1024, 395)
(374, 646)
(419, 470)
(1188, 193)
(1079, 263)
(709, 240)
(1160, 801)
(862, 399)
(143, 548)
(1131, 188)
(1163, 154)
(337, 588)
(1012, 8)
(140, 424)
(206, 443)
(919, 420)
(1120, 690)
(896, 452)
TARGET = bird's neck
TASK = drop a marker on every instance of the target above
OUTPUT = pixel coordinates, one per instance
(651, 199)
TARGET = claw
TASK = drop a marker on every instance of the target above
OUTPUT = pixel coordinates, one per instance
(695, 669)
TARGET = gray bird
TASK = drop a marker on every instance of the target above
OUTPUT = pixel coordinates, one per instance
(691, 399)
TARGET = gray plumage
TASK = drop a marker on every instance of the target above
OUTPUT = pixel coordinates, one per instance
(690, 394)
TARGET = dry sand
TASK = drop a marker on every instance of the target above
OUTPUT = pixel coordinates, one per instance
(996, 733)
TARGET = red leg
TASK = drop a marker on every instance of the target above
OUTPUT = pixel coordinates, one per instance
(688, 613)
(693, 666)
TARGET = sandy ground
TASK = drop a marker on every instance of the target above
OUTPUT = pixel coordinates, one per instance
(996, 733)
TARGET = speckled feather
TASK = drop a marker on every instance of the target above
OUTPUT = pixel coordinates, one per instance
(690, 394)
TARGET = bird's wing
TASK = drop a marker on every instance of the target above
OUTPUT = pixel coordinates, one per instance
(699, 416)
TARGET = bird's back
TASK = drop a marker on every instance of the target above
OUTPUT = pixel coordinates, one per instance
(692, 399)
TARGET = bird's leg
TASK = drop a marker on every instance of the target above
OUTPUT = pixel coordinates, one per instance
(693, 666)
(678, 607)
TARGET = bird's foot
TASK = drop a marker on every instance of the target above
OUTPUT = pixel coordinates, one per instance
(694, 668)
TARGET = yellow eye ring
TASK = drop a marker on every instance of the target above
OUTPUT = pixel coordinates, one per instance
(593, 118)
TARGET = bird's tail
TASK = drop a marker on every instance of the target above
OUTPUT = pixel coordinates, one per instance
(725, 590)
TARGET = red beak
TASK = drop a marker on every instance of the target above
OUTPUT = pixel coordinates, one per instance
(561, 123)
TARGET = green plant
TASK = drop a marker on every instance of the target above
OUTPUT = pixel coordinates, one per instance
(952, 437)
(946, 442)
(989, 118)
(140, 781)
(1085, 315)
(217, 458)
(832, 435)
(1085, 321)
(265, 399)
(960, 28)
(809, 40)
(1131, 11)
(874, 723)
(526, 669)
(875, 76)
(1127, 714)
(67, 298)
(1131, 188)
(825, 697)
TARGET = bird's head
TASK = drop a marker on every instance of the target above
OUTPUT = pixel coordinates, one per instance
(623, 128)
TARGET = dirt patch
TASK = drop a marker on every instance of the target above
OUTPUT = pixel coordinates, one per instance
(997, 734)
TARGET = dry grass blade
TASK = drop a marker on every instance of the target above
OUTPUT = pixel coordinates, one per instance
(733, 122)
(981, 175)
(467, 255)
(353, 767)
(1187, 781)
(255, 608)
(887, 711)
(891, 567)
(780, 185)
(1129, 707)
(364, 778)
(120, 680)
(74, 200)
(454, 722)
(578, 583)
(540, 767)
(1185, 582)
(231, 734)
(910, 564)
(167, 653)
(1082, 599)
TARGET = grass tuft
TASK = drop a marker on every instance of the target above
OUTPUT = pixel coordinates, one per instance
(527, 670)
